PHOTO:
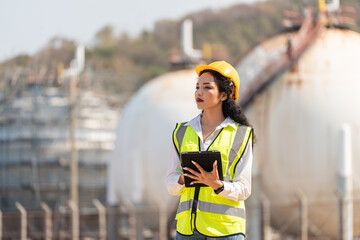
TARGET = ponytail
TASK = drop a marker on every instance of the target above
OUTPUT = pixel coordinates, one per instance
(230, 109)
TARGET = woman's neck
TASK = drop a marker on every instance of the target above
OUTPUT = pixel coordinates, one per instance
(212, 118)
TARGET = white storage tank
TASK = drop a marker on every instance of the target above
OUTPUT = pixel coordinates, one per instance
(297, 121)
(144, 138)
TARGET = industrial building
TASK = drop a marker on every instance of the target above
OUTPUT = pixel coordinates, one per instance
(35, 154)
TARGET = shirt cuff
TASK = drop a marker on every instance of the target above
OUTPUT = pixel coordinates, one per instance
(173, 186)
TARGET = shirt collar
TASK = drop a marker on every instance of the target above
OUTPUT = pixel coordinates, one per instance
(196, 125)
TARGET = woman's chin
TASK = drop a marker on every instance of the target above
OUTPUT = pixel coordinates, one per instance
(200, 107)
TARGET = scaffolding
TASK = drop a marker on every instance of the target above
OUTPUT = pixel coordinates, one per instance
(35, 155)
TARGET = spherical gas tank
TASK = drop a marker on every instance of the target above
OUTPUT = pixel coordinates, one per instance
(297, 121)
(139, 162)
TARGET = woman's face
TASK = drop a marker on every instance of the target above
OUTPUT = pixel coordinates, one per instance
(207, 94)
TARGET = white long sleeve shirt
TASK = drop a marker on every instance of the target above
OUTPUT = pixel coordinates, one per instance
(239, 189)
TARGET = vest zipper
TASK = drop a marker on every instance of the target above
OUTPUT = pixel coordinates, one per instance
(197, 189)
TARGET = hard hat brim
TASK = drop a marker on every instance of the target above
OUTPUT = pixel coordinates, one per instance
(201, 68)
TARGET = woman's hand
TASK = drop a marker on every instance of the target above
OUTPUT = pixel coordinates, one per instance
(209, 178)
(181, 180)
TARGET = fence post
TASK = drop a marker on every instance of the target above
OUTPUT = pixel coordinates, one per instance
(74, 221)
(132, 219)
(1, 221)
(303, 215)
(265, 206)
(47, 221)
(102, 218)
(23, 215)
(162, 221)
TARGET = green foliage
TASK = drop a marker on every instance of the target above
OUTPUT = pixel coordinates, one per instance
(122, 63)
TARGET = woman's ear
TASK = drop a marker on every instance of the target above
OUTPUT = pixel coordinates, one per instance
(223, 96)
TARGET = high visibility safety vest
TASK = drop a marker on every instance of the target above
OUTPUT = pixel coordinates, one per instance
(211, 214)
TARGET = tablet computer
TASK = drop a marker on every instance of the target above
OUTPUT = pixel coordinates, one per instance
(205, 159)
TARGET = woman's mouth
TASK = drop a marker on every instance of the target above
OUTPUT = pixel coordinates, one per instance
(199, 100)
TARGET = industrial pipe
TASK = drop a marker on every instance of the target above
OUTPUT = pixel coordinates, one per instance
(345, 185)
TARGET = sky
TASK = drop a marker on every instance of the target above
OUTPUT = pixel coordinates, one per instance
(27, 25)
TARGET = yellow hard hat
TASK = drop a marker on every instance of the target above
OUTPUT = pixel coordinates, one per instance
(224, 69)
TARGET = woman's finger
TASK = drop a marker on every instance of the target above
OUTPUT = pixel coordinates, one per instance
(193, 182)
(198, 167)
(215, 169)
(193, 172)
(191, 176)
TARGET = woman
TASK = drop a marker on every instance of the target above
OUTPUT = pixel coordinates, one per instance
(217, 210)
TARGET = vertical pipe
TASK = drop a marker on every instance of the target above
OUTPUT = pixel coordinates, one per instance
(187, 37)
(345, 185)
(303, 215)
(102, 218)
(23, 225)
(74, 156)
(266, 229)
(74, 221)
(162, 221)
(47, 221)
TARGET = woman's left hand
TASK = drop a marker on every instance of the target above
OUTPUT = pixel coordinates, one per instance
(209, 178)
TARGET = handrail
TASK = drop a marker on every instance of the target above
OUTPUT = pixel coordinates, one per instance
(307, 34)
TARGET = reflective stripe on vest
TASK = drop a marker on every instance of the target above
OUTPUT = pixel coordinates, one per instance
(212, 208)
(216, 216)
(241, 139)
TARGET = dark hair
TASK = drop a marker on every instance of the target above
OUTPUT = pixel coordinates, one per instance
(229, 107)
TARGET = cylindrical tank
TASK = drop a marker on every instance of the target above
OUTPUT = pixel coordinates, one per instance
(144, 138)
(297, 122)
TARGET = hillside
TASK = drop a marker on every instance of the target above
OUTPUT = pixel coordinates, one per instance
(120, 64)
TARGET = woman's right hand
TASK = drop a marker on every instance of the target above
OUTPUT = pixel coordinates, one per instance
(181, 180)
